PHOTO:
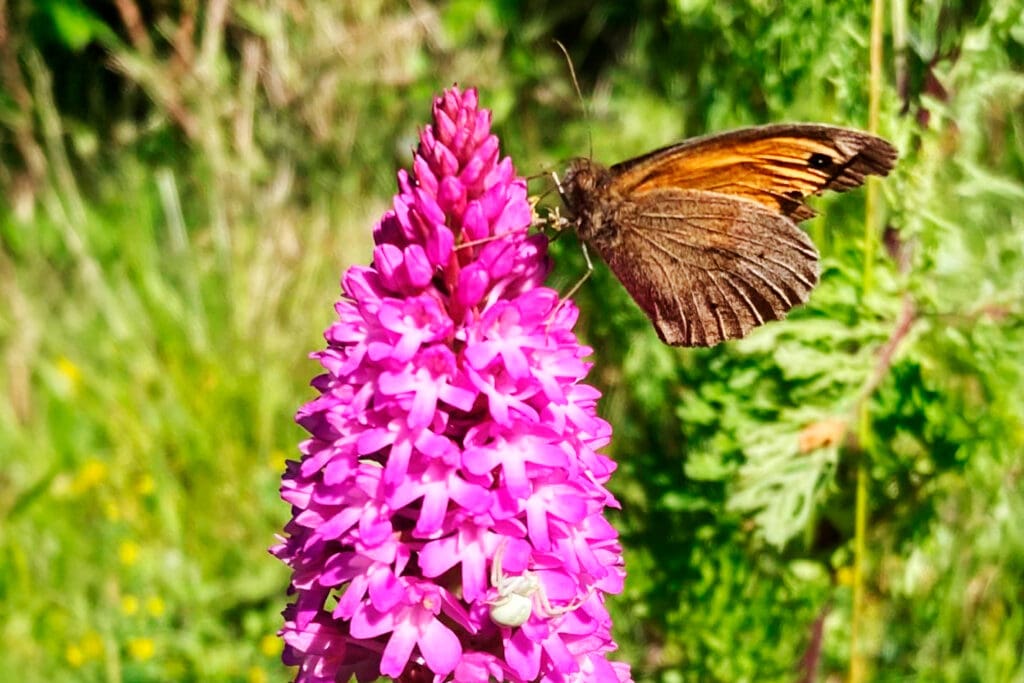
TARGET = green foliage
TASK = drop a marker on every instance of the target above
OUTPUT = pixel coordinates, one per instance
(70, 23)
(183, 188)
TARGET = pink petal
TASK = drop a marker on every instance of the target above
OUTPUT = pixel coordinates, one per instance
(350, 600)
(480, 355)
(440, 647)
(537, 522)
(372, 440)
(398, 462)
(472, 285)
(479, 460)
(474, 223)
(440, 245)
(424, 405)
(514, 470)
(515, 362)
(474, 574)
(469, 496)
(523, 655)
(388, 260)
(338, 524)
(398, 649)
(386, 590)
(457, 397)
(434, 445)
(368, 622)
(373, 528)
(560, 656)
(432, 511)
(439, 556)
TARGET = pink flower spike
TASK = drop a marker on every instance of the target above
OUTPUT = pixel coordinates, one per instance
(447, 510)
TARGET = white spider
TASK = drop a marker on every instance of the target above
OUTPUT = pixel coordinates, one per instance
(516, 596)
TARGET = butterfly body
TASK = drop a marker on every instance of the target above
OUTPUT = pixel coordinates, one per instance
(594, 204)
(703, 233)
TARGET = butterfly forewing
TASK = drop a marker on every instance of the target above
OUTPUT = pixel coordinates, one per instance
(777, 165)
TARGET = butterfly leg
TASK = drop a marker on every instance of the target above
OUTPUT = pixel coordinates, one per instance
(558, 184)
(483, 240)
(586, 276)
(576, 287)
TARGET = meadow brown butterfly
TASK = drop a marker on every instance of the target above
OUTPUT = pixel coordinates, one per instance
(703, 233)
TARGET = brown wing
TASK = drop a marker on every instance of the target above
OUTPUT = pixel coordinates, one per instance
(706, 267)
(777, 165)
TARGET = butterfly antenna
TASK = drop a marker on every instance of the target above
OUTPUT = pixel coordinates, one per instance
(543, 195)
(579, 93)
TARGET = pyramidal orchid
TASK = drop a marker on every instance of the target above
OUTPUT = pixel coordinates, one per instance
(447, 510)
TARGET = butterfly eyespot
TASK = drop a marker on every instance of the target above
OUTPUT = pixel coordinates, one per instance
(819, 160)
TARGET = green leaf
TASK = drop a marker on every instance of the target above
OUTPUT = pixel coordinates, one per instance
(779, 484)
(75, 24)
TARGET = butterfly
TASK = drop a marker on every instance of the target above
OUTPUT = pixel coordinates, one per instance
(703, 234)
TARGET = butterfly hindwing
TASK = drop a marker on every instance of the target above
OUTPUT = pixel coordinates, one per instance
(707, 267)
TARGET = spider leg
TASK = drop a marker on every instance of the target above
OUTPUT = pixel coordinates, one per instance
(497, 573)
(552, 611)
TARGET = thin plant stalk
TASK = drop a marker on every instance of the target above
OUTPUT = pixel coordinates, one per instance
(857, 664)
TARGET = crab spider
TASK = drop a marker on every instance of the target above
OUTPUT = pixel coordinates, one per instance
(516, 595)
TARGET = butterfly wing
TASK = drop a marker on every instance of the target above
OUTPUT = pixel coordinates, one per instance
(777, 166)
(706, 267)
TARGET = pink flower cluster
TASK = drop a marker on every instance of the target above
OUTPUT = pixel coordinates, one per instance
(447, 511)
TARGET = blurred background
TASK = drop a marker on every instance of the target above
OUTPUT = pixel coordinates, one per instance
(182, 184)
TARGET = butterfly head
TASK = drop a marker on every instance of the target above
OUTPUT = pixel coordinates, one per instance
(581, 185)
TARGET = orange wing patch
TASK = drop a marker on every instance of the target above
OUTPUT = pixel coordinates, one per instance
(767, 165)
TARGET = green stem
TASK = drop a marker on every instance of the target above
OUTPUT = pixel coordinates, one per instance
(874, 105)
(857, 663)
